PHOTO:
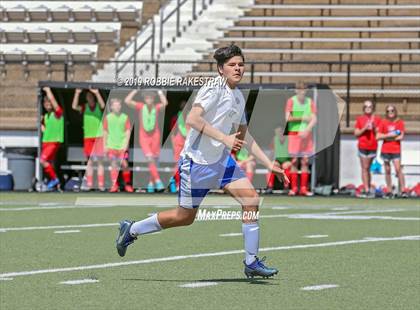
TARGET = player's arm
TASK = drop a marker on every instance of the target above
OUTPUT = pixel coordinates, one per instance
(51, 97)
(75, 103)
(105, 133)
(291, 118)
(129, 100)
(163, 99)
(196, 121)
(98, 97)
(259, 154)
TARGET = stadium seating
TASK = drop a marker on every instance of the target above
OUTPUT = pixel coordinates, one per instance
(39, 39)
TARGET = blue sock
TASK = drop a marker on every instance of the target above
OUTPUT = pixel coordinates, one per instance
(251, 232)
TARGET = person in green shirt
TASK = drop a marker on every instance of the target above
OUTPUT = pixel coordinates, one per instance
(93, 144)
(281, 155)
(52, 127)
(117, 131)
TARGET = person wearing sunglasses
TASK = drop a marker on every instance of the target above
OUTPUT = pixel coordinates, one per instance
(365, 131)
(391, 131)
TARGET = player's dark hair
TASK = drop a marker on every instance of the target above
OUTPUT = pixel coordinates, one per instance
(223, 54)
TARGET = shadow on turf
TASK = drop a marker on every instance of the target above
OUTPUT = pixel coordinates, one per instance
(231, 280)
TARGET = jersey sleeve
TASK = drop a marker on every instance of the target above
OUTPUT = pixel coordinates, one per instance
(289, 105)
(139, 105)
(313, 107)
(59, 112)
(377, 121)
(207, 97)
(401, 126)
(127, 124)
(105, 124)
(382, 127)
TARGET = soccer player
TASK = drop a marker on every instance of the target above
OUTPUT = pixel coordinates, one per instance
(117, 129)
(93, 144)
(281, 155)
(391, 130)
(179, 131)
(52, 127)
(149, 132)
(365, 130)
(301, 118)
(206, 162)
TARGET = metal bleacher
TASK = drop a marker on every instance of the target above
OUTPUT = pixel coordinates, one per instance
(54, 40)
(332, 32)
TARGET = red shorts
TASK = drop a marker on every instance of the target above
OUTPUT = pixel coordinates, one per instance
(93, 147)
(150, 143)
(177, 144)
(49, 150)
(299, 146)
(117, 154)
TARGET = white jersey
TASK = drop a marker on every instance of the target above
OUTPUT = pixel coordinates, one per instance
(223, 108)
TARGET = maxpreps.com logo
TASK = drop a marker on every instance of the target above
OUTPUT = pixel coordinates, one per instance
(216, 215)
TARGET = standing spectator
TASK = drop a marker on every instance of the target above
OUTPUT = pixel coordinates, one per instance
(149, 132)
(391, 130)
(365, 130)
(281, 155)
(117, 130)
(52, 127)
(179, 131)
(301, 119)
(93, 144)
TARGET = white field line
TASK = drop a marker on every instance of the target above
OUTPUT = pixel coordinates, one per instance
(212, 254)
(319, 287)
(230, 235)
(315, 236)
(6, 279)
(67, 231)
(318, 216)
(198, 284)
(83, 281)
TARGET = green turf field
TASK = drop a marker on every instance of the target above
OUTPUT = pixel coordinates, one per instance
(368, 251)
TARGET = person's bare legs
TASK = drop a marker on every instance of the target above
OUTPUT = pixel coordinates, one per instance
(177, 217)
(400, 174)
(365, 163)
(388, 180)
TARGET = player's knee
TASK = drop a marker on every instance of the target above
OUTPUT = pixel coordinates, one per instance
(252, 201)
(387, 169)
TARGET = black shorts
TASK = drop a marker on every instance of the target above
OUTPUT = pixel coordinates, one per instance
(390, 156)
(367, 153)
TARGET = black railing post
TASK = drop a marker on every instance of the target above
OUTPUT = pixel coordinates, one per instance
(135, 58)
(66, 71)
(194, 15)
(348, 96)
(252, 72)
(161, 32)
(178, 34)
(153, 40)
(156, 70)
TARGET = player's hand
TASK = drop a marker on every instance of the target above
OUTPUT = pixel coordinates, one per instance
(78, 91)
(94, 91)
(46, 89)
(279, 172)
(233, 143)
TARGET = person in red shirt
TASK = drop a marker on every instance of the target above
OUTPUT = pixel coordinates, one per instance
(300, 114)
(391, 131)
(52, 128)
(365, 130)
(116, 137)
(92, 110)
(149, 131)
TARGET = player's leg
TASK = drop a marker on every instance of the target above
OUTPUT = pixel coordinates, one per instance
(89, 173)
(286, 166)
(48, 153)
(400, 174)
(294, 176)
(101, 174)
(126, 175)
(114, 172)
(304, 177)
(388, 179)
(365, 166)
(243, 191)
